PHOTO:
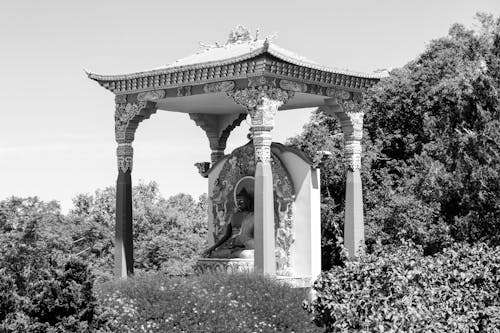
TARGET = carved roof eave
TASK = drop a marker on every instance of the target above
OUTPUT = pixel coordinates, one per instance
(103, 80)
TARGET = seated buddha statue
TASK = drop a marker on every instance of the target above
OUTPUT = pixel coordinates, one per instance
(238, 241)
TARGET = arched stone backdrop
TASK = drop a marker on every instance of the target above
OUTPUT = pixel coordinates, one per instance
(241, 163)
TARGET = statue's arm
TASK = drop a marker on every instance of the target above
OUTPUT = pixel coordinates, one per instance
(227, 235)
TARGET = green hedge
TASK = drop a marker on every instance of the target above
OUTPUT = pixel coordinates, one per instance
(400, 290)
(152, 302)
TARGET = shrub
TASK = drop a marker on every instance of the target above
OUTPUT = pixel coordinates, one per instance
(152, 302)
(50, 297)
(41, 289)
(400, 290)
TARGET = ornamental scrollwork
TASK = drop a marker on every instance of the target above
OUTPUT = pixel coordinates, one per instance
(124, 113)
(120, 99)
(294, 86)
(219, 87)
(262, 154)
(352, 155)
(356, 119)
(184, 91)
(261, 81)
(151, 95)
(338, 93)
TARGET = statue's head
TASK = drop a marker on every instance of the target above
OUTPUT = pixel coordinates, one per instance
(243, 201)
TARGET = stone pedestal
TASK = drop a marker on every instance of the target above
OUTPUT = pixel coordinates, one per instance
(213, 265)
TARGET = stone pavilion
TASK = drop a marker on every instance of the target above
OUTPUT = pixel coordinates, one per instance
(218, 87)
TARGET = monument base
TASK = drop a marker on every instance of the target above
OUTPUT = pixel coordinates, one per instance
(232, 265)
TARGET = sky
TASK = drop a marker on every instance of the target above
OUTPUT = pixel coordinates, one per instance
(57, 138)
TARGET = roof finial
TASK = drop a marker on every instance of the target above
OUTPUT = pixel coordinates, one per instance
(240, 34)
(256, 35)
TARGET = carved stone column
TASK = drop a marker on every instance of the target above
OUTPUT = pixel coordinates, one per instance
(128, 115)
(262, 103)
(348, 112)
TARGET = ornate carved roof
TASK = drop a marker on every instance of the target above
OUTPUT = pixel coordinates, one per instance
(240, 57)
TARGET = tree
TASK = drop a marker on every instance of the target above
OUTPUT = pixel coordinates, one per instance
(432, 155)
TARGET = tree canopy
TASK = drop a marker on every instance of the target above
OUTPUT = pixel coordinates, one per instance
(431, 147)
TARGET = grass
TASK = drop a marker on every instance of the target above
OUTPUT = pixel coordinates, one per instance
(152, 302)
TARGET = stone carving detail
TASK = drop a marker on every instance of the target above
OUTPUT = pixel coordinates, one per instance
(250, 98)
(262, 103)
(316, 89)
(219, 87)
(241, 163)
(292, 85)
(119, 99)
(240, 69)
(184, 91)
(352, 153)
(261, 81)
(357, 123)
(125, 155)
(223, 265)
(352, 149)
(124, 113)
(262, 153)
(128, 115)
(350, 116)
(203, 168)
(240, 34)
(151, 95)
(338, 93)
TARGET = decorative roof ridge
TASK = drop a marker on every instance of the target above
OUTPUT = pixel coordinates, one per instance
(166, 70)
(238, 38)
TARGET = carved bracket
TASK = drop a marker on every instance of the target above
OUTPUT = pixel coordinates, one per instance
(217, 128)
(128, 115)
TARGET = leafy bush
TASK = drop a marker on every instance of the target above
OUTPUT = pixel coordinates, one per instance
(401, 290)
(153, 302)
(41, 291)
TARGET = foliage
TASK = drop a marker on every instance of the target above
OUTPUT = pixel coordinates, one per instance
(436, 123)
(168, 233)
(41, 290)
(431, 160)
(401, 290)
(153, 302)
(44, 285)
